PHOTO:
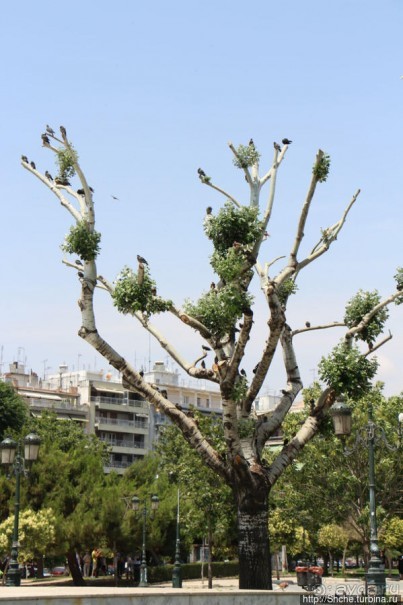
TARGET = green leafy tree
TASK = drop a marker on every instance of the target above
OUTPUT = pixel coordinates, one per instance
(223, 319)
(207, 504)
(68, 477)
(13, 410)
(334, 539)
(37, 534)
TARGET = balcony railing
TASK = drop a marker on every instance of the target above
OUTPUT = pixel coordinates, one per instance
(61, 405)
(123, 443)
(139, 424)
(132, 403)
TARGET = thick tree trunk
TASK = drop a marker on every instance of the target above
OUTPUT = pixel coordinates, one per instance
(75, 571)
(253, 550)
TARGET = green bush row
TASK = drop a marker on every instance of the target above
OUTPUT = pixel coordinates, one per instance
(192, 571)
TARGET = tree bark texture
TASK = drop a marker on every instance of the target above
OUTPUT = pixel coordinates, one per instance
(253, 550)
(75, 571)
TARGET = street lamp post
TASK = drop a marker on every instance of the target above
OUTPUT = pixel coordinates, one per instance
(177, 570)
(375, 576)
(12, 457)
(154, 506)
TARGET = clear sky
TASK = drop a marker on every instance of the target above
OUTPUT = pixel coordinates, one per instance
(149, 92)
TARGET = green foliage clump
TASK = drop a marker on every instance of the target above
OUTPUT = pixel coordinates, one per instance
(247, 155)
(240, 389)
(130, 296)
(83, 242)
(219, 310)
(13, 410)
(285, 290)
(233, 224)
(399, 284)
(228, 266)
(347, 371)
(361, 304)
(321, 168)
(65, 160)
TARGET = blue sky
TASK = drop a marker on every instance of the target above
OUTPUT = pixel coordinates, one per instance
(151, 91)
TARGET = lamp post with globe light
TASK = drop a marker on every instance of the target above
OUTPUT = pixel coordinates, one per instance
(136, 506)
(18, 463)
(369, 435)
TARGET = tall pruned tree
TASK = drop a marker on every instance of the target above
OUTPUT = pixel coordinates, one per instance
(223, 317)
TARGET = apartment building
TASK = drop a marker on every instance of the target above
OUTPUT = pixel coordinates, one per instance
(122, 419)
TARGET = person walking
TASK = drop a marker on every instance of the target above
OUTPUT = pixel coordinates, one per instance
(87, 564)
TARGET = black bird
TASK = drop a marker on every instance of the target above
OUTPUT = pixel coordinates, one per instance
(142, 260)
(80, 274)
(78, 262)
(209, 210)
(242, 373)
(66, 183)
(201, 173)
(206, 348)
(48, 175)
(50, 130)
(203, 364)
(141, 373)
(308, 324)
(80, 191)
(114, 197)
(33, 165)
(276, 146)
(255, 369)
(24, 159)
(212, 286)
(251, 143)
(63, 131)
(45, 139)
(286, 141)
(91, 189)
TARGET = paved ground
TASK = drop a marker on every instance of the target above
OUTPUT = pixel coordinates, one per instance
(330, 586)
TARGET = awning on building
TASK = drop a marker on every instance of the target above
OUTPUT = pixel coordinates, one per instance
(108, 389)
(34, 395)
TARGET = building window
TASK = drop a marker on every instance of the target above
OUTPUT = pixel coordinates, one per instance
(198, 400)
(207, 402)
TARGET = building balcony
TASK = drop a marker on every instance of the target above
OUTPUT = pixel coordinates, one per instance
(105, 402)
(125, 446)
(121, 424)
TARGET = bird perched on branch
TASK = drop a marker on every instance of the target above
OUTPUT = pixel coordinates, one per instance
(251, 143)
(308, 324)
(50, 130)
(206, 348)
(203, 364)
(286, 141)
(63, 131)
(276, 146)
(45, 139)
(78, 262)
(48, 175)
(33, 165)
(201, 173)
(142, 260)
(24, 159)
(80, 191)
